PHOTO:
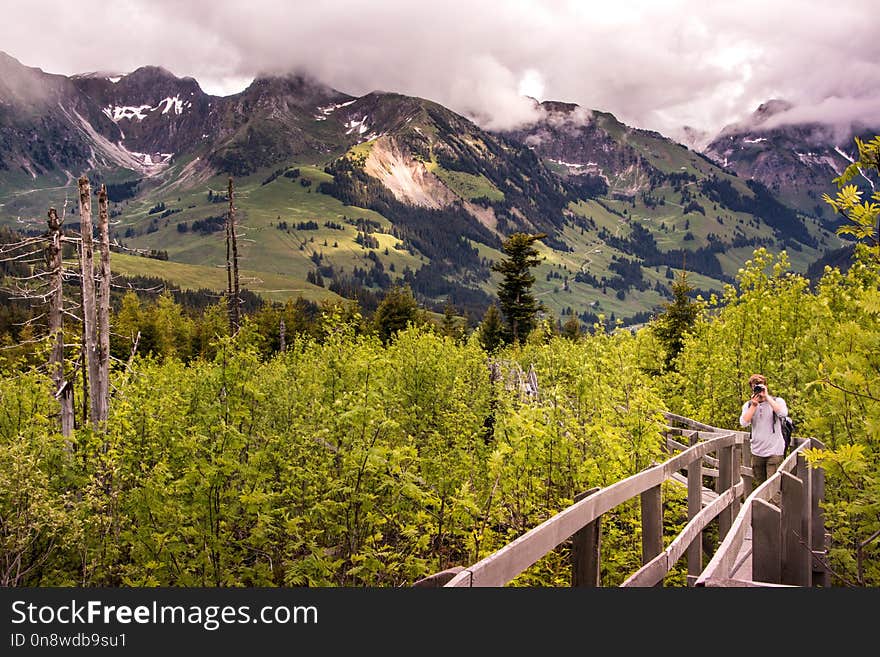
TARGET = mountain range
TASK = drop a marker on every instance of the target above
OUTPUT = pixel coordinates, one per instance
(345, 196)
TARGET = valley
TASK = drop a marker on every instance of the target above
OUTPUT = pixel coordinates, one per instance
(336, 194)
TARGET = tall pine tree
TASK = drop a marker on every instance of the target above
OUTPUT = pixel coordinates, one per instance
(518, 304)
(677, 319)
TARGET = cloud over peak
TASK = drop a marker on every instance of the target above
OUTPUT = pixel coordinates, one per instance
(658, 64)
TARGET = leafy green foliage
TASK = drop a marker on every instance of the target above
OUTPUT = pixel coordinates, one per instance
(341, 461)
(353, 457)
(863, 216)
(819, 350)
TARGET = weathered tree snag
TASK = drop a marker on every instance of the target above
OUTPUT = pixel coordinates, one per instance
(63, 390)
(232, 274)
(229, 272)
(87, 268)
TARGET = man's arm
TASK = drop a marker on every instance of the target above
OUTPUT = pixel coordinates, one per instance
(778, 405)
(745, 418)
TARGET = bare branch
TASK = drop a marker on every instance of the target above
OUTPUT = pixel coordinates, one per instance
(827, 381)
(22, 255)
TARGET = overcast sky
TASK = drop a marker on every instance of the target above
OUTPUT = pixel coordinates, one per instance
(657, 64)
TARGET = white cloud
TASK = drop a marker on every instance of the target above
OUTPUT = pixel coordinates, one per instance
(532, 84)
(654, 64)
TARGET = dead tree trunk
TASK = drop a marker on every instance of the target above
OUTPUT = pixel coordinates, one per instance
(229, 272)
(282, 329)
(63, 392)
(87, 267)
(233, 292)
(104, 310)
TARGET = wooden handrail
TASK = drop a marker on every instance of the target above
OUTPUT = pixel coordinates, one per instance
(653, 572)
(722, 567)
(503, 565)
(672, 417)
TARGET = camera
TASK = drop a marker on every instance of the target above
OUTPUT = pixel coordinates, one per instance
(758, 388)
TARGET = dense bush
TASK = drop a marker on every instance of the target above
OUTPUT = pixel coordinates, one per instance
(344, 461)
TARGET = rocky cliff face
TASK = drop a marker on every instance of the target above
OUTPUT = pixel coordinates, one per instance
(579, 143)
(46, 122)
(155, 113)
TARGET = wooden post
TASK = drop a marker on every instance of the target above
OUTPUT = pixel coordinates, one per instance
(748, 480)
(586, 551)
(795, 550)
(724, 482)
(63, 391)
(766, 548)
(87, 268)
(652, 524)
(736, 475)
(103, 310)
(819, 547)
(802, 472)
(695, 505)
(229, 268)
(85, 382)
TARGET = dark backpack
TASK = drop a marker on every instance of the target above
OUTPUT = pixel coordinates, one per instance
(787, 427)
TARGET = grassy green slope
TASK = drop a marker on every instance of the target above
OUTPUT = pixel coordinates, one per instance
(195, 277)
(283, 255)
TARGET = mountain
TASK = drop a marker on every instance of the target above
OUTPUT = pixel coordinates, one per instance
(654, 175)
(796, 160)
(344, 196)
(581, 145)
(47, 125)
(153, 113)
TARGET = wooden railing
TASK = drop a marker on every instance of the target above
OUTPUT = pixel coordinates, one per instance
(774, 560)
(780, 534)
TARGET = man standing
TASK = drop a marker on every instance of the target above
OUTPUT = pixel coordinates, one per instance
(767, 444)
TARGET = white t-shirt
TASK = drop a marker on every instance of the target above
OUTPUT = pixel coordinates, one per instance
(766, 434)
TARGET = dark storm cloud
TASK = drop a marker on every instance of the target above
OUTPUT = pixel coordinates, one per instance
(655, 64)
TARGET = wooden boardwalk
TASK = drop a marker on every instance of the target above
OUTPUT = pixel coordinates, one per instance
(772, 536)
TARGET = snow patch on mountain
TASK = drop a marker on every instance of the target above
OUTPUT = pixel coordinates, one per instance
(153, 159)
(327, 110)
(851, 160)
(140, 112)
(843, 155)
(116, 114)
(570, 165)
(174, 102)
(573, 165)
(361, 126)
